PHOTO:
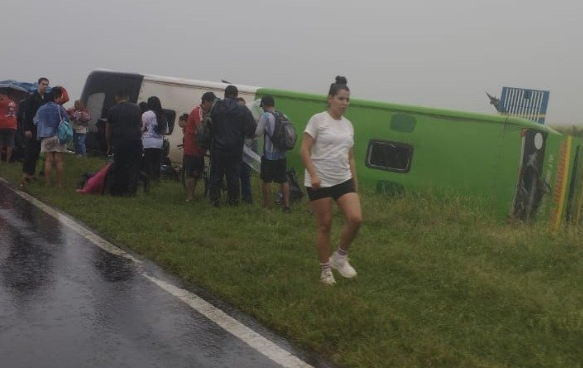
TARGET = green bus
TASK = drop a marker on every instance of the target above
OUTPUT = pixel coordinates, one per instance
(521, 169)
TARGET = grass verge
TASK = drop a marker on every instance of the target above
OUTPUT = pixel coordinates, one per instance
(440, 284)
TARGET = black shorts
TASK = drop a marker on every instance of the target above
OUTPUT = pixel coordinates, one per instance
(7, 137)
(335, 191)
(193, 166)
(273, 171)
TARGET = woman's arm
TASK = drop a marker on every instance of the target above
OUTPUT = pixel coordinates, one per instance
(353, 169)
(306, 154)
(84, 116)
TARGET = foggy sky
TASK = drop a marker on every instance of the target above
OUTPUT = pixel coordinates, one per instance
(419, 52)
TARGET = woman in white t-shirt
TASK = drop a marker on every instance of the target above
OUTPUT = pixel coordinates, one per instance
(331, 176)
(152, 139)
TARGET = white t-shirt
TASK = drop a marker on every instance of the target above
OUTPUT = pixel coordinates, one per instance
(333, 140)
(150, 139)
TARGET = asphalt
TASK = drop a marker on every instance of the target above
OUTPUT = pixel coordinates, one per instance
(68, 298)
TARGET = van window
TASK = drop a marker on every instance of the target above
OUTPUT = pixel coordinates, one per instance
(94, 106)
(390, 156)
(171, 117)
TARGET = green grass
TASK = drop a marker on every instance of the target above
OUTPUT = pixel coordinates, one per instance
(440, 283)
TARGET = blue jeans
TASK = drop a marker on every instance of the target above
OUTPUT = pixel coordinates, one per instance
(79, 142)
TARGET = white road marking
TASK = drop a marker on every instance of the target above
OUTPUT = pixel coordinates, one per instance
(236, 328)
(217, 316)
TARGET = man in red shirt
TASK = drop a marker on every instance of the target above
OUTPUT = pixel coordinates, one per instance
(7, 124)
(193, 161)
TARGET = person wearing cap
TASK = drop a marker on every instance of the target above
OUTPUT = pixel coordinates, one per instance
(193, 160)
(231, 123)
(273, 161)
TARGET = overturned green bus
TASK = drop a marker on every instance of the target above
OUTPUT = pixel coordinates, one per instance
(521, 169)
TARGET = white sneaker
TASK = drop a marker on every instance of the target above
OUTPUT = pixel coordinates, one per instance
(327, 278)
(342, 265)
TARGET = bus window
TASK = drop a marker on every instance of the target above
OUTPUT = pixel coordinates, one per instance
(171, 118)
(390, 156)
(94, 107)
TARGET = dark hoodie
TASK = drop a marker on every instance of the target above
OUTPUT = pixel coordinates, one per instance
(33, 103)
(231, 123)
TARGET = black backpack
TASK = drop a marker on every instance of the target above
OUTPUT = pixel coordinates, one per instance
(204, 133)
(295, 190)
(162, 124)
(284, 135)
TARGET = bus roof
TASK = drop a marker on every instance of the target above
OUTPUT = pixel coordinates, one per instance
(198, 83)
(419, 110)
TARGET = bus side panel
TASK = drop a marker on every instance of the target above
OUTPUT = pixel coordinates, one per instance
(449, 153)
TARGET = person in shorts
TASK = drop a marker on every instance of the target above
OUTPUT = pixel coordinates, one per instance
(273, 161)
(7, 124)
(47, 121)
(330, 176)
(193, 160)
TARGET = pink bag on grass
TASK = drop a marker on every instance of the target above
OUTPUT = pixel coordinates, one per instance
(95, 183)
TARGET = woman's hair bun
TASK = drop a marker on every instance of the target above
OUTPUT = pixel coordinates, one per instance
(341, 80)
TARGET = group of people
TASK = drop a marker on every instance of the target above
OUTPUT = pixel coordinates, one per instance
(39, 115)
(326, 152)
(135, 137)
(233, 128)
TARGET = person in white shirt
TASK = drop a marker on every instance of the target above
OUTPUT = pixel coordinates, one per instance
(152, 139)
(330, 176)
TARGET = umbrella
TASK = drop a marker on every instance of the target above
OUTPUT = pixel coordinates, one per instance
(18, 86)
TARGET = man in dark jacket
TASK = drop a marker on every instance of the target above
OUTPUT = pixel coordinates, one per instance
(123, 133)
(32, 145)
(231, 123)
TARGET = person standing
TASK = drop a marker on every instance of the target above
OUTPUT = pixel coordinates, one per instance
(152, 138)
(32, 145)
(7, 124)
(273, 161)
(182, 119)
(79, 119)
(330, 176)
(47, 121)
(231, 123)
(123, 134)
(193, 161)
(245, 175)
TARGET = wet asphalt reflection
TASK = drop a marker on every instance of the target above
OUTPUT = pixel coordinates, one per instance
(64, 302)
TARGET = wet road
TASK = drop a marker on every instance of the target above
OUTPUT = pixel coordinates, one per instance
(70, 299)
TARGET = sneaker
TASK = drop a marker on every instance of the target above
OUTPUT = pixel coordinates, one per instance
(342, 265)
(327, 278)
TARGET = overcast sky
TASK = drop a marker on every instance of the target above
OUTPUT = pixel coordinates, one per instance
(420, 52)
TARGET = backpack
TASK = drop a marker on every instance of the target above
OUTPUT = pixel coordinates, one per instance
(284, 135)
(64, 129)
(162, 124)
(204, 134)
(295, 190)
